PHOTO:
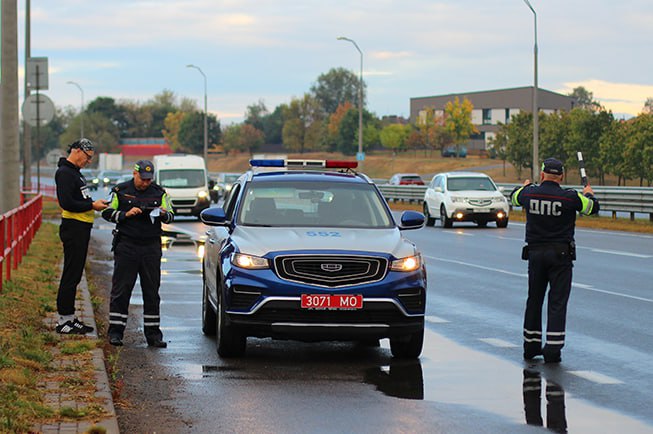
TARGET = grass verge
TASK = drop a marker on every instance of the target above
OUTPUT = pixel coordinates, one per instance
(31, 355)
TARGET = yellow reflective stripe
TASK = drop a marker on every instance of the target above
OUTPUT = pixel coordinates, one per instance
(86, 216)
(164, 203)
(114, 201)
(514, 199)
(587, 204)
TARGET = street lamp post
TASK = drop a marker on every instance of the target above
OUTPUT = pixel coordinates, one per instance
(81, 110)
(360, 156)
(206, 113)
(536, 131)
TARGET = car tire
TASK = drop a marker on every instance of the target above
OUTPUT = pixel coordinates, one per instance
(208, 314)
(445, 221)
(407, 347)
(430, 221)
(482, 224)
(502, 223)
(229, 343)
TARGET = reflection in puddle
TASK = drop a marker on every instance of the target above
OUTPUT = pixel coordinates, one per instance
(197, 372)
(556, 419)
(401, 379)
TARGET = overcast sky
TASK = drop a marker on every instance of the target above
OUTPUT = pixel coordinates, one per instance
(273, 50)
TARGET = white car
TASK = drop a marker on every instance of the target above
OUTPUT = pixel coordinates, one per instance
(463, 197)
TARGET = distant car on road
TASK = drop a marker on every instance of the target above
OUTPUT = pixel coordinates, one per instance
(92, 181)
(109, 178)
(222, 185)
(406, 179)
(462, 197)
(450, 151)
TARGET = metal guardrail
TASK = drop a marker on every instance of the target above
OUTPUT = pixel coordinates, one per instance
(633, 200)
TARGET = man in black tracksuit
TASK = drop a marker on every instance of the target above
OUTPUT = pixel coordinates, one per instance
(550, 221)
(138, 207)
(78, 213)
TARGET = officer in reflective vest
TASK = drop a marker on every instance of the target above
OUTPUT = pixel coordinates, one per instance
(138, 207)
(550, 250)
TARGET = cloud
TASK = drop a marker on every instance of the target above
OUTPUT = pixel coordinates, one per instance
(626, 98)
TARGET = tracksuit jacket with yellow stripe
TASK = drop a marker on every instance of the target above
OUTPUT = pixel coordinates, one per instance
(72, 193)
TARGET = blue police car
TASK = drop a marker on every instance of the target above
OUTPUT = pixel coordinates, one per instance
(309, 250)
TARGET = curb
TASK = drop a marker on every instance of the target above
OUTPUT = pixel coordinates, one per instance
(55, 396)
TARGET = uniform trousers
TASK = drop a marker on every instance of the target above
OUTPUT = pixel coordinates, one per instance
(548, 266)
(136, 258)
(75, 236)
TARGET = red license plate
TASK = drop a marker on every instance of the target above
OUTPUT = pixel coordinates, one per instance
(332, 301)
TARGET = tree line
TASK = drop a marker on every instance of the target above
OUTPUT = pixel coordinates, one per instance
(326, 119)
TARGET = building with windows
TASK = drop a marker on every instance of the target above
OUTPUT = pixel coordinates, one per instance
(492, 107)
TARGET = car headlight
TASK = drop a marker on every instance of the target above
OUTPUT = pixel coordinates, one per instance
(105, 180)
(499, 199)
(250, 262)
(202, 194)
(457, 199)
(409, 263)
(96, 181)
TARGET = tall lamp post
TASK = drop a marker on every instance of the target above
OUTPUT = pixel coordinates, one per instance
(81, 110)
(206, 125)
(536, 130)
(360, 157)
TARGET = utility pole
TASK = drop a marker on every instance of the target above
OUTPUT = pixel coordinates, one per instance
(27, 129)
(9, 148)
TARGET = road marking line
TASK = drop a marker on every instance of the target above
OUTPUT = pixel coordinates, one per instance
(498, 342)
(616, 252)
(596, 377)
(477, 266)
(435, 319)
(578, 285)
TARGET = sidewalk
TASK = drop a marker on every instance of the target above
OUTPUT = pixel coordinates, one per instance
(58, 396)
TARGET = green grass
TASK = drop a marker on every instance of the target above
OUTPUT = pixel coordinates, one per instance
(27, 345)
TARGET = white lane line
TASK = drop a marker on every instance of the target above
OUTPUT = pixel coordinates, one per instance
(482, 267)
(617, 252)
(578, 285)
(596, 377)
(458, 232)
(498, 343)
(435, 319)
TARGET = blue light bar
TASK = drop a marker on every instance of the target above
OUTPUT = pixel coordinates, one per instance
(267, 163)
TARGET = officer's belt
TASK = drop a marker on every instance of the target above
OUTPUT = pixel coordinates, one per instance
(543, 246)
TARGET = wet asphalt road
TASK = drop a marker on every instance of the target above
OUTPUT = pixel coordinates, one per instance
(470, 378)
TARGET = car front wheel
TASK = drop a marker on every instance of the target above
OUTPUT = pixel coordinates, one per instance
(407, 347)
(445, 221)
(502, 223)
(208, 314)
(430, 221)
(229, 342)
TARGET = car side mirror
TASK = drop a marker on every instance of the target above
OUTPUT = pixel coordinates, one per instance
(214, 217)
(411, 220)
(438, 189)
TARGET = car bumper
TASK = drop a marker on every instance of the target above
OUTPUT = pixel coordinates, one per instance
(190, 206)
(478, 214)
(271, 307)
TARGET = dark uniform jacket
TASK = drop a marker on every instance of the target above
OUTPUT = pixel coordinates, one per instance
(125, 196)
(72, 193)
(551, 211)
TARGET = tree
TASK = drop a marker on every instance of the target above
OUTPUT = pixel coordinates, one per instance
(302, 124)
(114, 112)
(273, 125)
(255, 115)
(611, 151)
(347, 139)
(394, 136)
(554, 133)
(333, 126)
(434, 132)
(98, 128)
(458, 121)
(336, 87)
(585, 131)
(648, 106)
(172, 126)
(639, 148)
(50, 134)
(191, 132)
(518, 134)
(585, 99)
(242, 138)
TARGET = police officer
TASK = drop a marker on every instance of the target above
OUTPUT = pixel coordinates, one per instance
(138, 207)
(78, 213)
(550, 250)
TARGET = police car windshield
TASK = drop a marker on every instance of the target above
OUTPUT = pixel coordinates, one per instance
(470, 183)
(313, 204)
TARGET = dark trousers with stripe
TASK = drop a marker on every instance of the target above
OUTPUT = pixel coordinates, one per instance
(74, 235)
(549, 266)
(134, 258)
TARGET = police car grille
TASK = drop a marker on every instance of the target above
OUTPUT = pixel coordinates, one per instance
(480, 202)
(331, 270)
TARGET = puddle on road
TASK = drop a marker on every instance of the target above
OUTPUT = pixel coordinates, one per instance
(197, 372)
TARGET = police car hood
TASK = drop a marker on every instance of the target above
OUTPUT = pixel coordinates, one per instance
(260, 241)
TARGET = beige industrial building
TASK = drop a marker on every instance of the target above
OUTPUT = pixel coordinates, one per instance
(492, 107)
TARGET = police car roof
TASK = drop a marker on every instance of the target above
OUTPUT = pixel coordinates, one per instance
(311, 176)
